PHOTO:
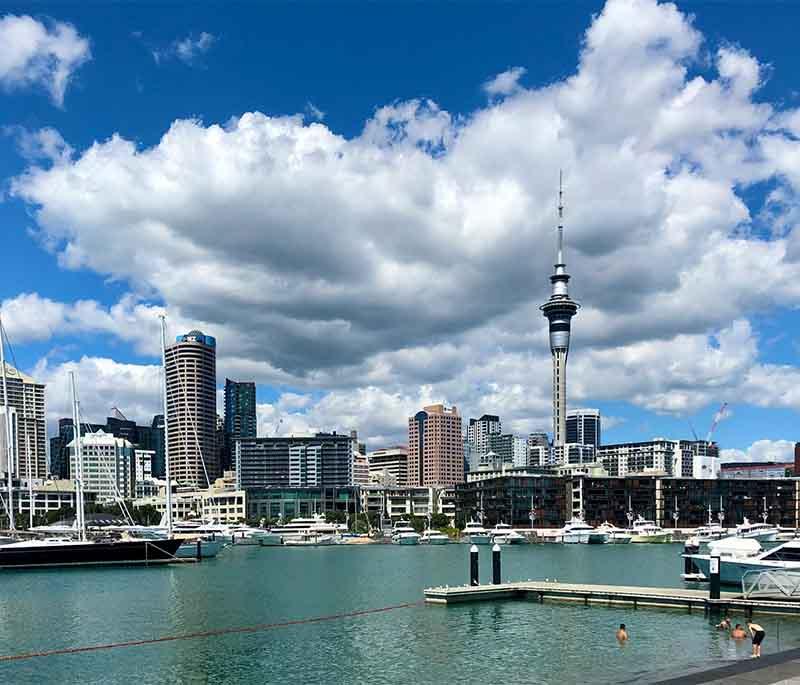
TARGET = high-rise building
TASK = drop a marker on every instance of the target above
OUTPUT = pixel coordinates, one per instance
(559, 310)
(389, 466)
(502, 446)
(583, 427)
(435, 447)
(479, 430)
(29, 432)
(191, 370)
(240, 416)
(321, 460)
(677, 458)
(108, 465)
(149, 438)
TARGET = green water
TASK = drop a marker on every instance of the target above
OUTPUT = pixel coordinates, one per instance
(486, 642)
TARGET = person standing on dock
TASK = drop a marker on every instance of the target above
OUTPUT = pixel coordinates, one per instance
(622, 633)
(758, 634)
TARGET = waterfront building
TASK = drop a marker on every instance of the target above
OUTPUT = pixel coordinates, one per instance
(389, 466)
(756, 469)
(150, 438)
(680, 458)
(321, 460)
(219, 502)
(796, 472)
(507, 497)
(435, 447)
(559, 310)
(400, 503)
(29, 432)
(510, 498)
(48, 496)
(108, 465)
(274, 503)
(583, 427)
(240, 416)
(191, 367)
(479, 431)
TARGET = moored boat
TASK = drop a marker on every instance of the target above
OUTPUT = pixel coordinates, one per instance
(404, 534)
(476, 534)
(433, 537)
(645, 531)
(763, 532)
(504, 534)
(616, 536)
(738, 556)
(52, 552)
(577, 531)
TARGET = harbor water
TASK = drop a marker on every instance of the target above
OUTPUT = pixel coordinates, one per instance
(245, 586)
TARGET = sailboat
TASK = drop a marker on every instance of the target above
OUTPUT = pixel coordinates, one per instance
(65, 551)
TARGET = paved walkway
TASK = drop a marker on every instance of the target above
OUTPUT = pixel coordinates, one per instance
(783, 667)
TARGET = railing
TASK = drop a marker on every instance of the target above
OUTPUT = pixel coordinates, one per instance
(771, 583)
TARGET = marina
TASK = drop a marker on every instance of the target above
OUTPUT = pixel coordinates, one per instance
(294, 587)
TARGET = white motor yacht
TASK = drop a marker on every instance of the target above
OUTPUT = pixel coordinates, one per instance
(740, 555)
(404, 534)
(647, 531)
(763, 532)
(576, 530)
(433, 537)
(315, 525)
(476, 534)
(616, 536)
(309, 539)
(504, 534)
(709, 533)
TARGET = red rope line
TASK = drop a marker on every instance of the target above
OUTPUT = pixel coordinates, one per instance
(206, 633)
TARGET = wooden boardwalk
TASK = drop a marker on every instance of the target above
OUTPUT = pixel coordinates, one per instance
(610, 595)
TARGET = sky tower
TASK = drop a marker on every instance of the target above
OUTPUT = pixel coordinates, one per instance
(559, 310)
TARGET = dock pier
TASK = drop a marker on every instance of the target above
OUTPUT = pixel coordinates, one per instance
(611, 595)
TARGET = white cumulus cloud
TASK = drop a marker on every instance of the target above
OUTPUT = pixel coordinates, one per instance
(38, 53)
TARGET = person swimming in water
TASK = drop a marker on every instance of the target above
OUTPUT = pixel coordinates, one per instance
(738, 633)
(758, 635)
(622, 633)
(725, 624)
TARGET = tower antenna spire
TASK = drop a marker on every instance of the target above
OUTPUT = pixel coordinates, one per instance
(560, 259)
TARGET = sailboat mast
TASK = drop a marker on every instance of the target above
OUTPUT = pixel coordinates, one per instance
(8, 429)
(76, 429)
(166, 425)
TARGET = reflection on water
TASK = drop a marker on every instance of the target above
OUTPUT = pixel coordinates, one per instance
(513, 640)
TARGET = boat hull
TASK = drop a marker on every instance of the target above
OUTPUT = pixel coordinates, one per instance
(480, 539)
(619, 539)
(270, 540)
(208, 549)
(90, 554)
(409, 540)
(730, 571)
(436, 541)
(659, 538)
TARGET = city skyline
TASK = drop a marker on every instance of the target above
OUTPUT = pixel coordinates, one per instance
(682, 258)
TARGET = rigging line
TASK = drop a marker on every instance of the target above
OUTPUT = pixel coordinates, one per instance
(207, 633)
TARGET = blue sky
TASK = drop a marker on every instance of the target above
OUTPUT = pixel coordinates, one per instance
(330, 345)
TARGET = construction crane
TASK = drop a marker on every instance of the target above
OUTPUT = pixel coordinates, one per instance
(717, 418)
(694, 432)
(277, 427)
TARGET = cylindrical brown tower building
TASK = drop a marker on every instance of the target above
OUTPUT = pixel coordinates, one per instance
(191, 366)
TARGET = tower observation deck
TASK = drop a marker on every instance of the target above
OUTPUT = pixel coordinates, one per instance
(559, 310)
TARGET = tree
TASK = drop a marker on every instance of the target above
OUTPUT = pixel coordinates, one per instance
(335, 517)
(418, 523)
(440, 521)
(146, 515)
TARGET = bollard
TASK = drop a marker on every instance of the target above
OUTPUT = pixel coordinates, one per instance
(713, 572)
(199, 551)
(496, 564)
(473, 565)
